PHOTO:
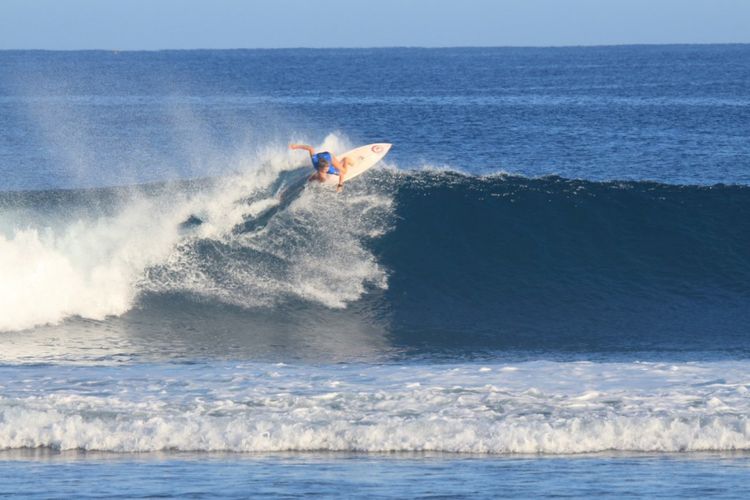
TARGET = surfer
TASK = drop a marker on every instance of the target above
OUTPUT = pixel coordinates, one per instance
(325, 164)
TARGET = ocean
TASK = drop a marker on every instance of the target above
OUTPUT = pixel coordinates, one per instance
(543, 290)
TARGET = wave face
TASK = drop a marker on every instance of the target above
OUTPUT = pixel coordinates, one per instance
(534, 407)
(430, 260)
(533, 263)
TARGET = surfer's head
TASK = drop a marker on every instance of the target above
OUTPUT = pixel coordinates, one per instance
(322, 165)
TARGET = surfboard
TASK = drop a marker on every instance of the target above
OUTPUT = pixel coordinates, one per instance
(363, 158)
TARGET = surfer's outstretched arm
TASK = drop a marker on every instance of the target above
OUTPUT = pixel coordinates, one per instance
(307, 148)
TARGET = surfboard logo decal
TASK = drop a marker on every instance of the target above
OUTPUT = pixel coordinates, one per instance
(377, 148)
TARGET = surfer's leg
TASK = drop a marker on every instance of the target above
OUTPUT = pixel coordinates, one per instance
(345, 164)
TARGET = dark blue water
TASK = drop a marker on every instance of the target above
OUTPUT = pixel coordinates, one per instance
(676, 114)
(553, 259)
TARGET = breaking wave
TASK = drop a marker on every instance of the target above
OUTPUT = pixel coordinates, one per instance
(437, 258)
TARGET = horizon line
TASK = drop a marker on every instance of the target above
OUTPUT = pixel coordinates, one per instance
(384, 47)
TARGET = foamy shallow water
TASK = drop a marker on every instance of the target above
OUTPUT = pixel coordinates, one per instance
(535, 407)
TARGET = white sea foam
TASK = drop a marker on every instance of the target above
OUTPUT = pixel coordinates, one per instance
(97, 265)
(87, 268)
(312, 249)
(541, 407)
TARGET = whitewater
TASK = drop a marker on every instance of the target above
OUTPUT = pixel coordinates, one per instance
(93, 265)
(484, 408)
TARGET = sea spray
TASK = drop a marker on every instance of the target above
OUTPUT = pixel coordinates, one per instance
(98, 261)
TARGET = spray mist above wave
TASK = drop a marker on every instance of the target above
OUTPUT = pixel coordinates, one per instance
(81, 258)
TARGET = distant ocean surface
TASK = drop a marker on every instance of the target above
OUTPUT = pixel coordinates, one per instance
(543, 290)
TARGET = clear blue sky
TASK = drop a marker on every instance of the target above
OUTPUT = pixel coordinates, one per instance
(182, 24)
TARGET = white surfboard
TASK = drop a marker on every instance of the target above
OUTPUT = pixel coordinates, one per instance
(362, 159)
